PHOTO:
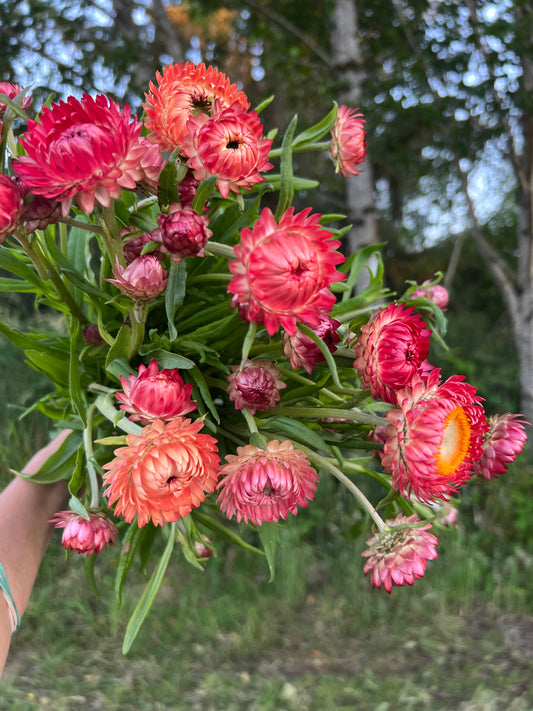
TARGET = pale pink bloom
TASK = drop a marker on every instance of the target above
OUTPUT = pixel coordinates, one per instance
(229, 144)
(83, 150)
(447, 514)
(11, 91)
(504, 441)
(399, 554)
(255, 385)
(135, 242)
(435, 293)
(163, 473)
(182, 233)
(347, 146)
(434, 437)
(151, 164)
(11, 207)
(302, 352)
(283, 271)
(155, 394)
(265, 485)
(142, 280)
(390, 350)
(84, 536)
(187, 189)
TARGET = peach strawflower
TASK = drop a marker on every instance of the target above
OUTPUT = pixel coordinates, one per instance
(504, 441)
(155, 394)
(347, 146)
(12, 91)
(255, 385)
(283, 271)
(84, 150)
(142, 280)
(302, 352)
(433, 292)
(399, 554)
(265, 485)
(390, 350)
(82, 535)
(163, 473)
(11, 207)
(185, 90)
(434, 437)
(229, 144)
(182, 232)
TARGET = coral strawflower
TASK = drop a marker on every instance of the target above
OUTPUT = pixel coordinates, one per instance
(142, 280)
(82, 535)
(265, 485)
(182, 232)
(283, 271)
(163, 473)
(182, 91)
(155, 394)
(302, 352)
(504, 441)
(347, 146)
(11, 207)
(398, 555)
(86, 150)
(255, 385)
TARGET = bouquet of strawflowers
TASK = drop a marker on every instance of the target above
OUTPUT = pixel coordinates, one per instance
(215, 361)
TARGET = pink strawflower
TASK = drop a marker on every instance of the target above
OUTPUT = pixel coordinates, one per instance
(187, 189)
(399, 554)
(83, 150)
(255, 385)
(84, 536)
(163, 473)
(282, 272)
(265, 485)
(390, 350)
(347, 146)
(142, 280)
(302, 352)
(229, 144)
(504, 441)
(11, 207)
(151, 164)
(135, 242)
(434, 437)
(182, 233)
(433, 292)
(185, 90)
(11, 91)
(155, 394)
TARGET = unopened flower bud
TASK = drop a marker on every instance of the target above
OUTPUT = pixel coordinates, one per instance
(142, 280)
(183, 233)
(84, 536)
(255, 385)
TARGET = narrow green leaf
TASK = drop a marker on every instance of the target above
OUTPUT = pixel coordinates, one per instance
(199, 381)
(130, 543)
(203, 193)
(76, 392)
(318, 131)
(75, 505)
(16, 286)
(266, 102)
(56, 369)
(168, 185)
(221, 530)
(88, 569)
(59, 465)
(167, 359)
(286, 192)
(188, 549)
(269, 535)
(294, 430)
(174, 294)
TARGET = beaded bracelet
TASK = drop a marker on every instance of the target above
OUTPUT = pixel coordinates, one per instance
(13, 612)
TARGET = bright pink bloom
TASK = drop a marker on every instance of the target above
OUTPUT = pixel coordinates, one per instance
(282, 272)
(255, 385)
(11, 207)
(399, 554)
(182, 233)
(503, 443)
(435, 293)
(11, 91)
(151, 164)
(302, 352)
(390, 350)
(347, 146)
(185, 90)
(83, 150)
(163, 473)
(230, 144)
(84, 536)
(142, 280)
(155, 394)
(434, 437)
(266, 485)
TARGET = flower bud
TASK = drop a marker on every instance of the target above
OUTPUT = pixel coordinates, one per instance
(84, 536)
(302, 352)
(183, 233)
(142, 280)
(11, 91)
(435, 293)
(255, 385)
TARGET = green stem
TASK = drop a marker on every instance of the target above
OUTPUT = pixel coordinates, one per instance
(89, 457)
(307, 381)
(87, 226)
(250, 421)
(220, 250)
(320, 413)
(248, 342)
(321, 146)
(111, 236)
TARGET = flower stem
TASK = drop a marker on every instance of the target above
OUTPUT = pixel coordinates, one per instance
(320, 146)
(87, 226)
(111, 236)
(220, 250)
(353, 414)
(250, 421)
(89, 457)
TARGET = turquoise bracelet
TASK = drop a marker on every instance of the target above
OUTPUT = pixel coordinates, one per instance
(13, 612)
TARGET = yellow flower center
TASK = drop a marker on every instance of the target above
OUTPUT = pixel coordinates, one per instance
(455, 442)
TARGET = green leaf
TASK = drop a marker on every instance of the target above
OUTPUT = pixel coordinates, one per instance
(221, 530)
(61, 464)
(167, 359)
(119, 367)
(294, 430)
(147, 598)
(130, 543)
(199, 381)
(187, 546)
(168, 185)
(266, 102)
(75, 505)
(286, 193)
(55, 368)
(76, 392)
(88, 569)
(203, 193)
(174, 294)
(275, 180)
(16, 286)
(269, 535)
(317, 132)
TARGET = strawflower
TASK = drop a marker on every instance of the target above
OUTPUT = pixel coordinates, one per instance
(433, 292)
(504, 441)
(302, 352)
(283, 271)
(12, 91)
(155, 394)
(399, 554)
(182, 232)
(265, 485)
(347, 146)
(84, 536)
(255, 385)
(163, 473)
(11, 207)
(142, 280)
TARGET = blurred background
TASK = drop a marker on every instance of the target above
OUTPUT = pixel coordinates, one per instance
(446, 88)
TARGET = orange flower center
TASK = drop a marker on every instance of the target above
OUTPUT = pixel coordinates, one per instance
(455, 442)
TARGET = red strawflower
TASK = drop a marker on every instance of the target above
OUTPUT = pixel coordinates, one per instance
(302, 352)
(155, 394)
(185, 90)
(399, 554)
(84, 536)
(504, 441)
(182, 233)
(282, 272)
(83, 150)
(265, 485)
(435, 293)
(434, 437)
(11, 207)
(11, 91)
(163, 473)
(390, 350)
(347, 146)
(229, 144)
(142, 280)
(255, 385)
